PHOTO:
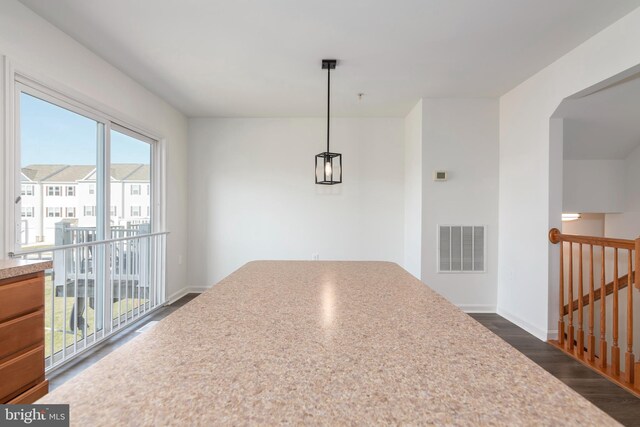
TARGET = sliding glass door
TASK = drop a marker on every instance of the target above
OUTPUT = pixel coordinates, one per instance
(84, 198)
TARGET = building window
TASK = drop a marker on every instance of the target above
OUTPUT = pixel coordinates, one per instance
(92, 189)
(27, 212)
(113, 211)
(70, 212)
(135, 210)
(54, 190)
(135, 189)
(27, 190)
(71, 190)
(89, 211)
(54, 212)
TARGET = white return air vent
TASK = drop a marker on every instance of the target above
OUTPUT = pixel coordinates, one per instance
(461, 248)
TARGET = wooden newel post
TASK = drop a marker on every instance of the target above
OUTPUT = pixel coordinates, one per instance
(554, 237)
(637, 263)
(635, 377)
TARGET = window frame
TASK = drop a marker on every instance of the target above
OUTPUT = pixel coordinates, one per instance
(53, 210)
(20, 80)
(52, 189)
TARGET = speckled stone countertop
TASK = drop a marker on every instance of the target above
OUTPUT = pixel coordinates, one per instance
(320, 343)
(19, 267)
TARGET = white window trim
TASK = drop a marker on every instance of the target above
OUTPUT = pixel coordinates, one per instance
(18, 76)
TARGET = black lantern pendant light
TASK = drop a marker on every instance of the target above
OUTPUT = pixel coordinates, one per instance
(328, 164)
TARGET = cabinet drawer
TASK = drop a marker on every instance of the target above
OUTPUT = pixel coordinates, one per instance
(20, 371)
(31, 395)
(21, 333)
(21, 297)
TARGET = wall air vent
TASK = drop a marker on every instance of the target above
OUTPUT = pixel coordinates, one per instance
(461, 248)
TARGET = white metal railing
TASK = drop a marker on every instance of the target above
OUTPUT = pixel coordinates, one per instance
(98, 287)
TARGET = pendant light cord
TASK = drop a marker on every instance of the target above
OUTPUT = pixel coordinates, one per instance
(328, 103)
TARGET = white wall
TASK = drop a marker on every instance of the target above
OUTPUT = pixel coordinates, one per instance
(30, 42)
(413, 191)
(460, 136)
(527, 204)
(626, 225)
(253, 194)
(593, 186)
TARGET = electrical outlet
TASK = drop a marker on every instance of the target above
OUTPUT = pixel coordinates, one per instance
(179, 259)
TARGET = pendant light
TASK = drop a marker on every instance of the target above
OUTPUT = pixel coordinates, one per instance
(328, 164)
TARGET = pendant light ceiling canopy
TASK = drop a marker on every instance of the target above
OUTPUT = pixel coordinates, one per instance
(328, 164)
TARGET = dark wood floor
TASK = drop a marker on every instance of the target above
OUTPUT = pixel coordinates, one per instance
(613, 400)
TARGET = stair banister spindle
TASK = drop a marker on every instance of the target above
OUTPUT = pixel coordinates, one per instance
(629, 359)
(561, 296)
(570, 333)
(580, 306)
(591, 339)
(615, 350)
(603, 312)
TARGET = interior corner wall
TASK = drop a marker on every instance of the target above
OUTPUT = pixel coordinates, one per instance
(413, 191)
(596, 186)
(253, 193)
(524, 280)
(626, 224)
(460, 136)
(29, 41)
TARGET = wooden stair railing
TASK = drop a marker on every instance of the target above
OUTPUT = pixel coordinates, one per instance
(622, 283)
(572, 341)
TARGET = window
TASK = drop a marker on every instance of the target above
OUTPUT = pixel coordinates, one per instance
(76, 149)
(54, 190)
(27, 212)
(131, 156)
(54, 212)
(26, 190)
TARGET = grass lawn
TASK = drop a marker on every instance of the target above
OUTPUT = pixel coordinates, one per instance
(61, 324)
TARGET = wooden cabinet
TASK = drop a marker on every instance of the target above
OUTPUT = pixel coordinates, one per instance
(22, 339)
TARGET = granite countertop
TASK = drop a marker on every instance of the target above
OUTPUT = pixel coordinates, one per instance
(18, 267)
(330, 343)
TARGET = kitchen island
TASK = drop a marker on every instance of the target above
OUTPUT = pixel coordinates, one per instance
(328, 343)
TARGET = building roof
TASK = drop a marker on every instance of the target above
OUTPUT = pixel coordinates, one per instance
(74, 173)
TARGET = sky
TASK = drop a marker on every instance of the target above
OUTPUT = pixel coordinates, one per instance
(52, 135)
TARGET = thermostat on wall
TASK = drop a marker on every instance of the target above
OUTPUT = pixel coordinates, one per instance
(439, 175)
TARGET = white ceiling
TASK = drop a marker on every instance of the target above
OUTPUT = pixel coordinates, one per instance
(603, 125)
(260, 58)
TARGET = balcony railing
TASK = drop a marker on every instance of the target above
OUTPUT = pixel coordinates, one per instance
(96, 288)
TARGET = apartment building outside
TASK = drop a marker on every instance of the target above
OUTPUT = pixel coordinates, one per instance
(51, 194)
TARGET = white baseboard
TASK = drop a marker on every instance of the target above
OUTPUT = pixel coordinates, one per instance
(184, 291)
(541, 334)
(477, 308)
